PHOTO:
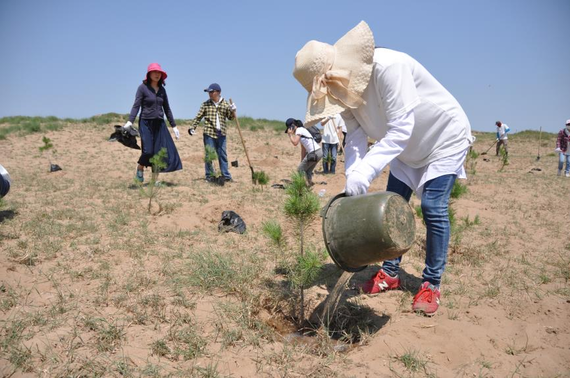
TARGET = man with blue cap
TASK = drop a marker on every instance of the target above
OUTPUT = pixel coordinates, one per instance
(215, 112)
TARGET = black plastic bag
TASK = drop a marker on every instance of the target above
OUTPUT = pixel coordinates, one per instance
(125, 137)
(54, 168)
(231, 222)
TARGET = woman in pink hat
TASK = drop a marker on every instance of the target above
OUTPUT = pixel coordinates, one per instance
(152, 101)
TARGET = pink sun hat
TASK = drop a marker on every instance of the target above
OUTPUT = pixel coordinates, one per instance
(156, 67)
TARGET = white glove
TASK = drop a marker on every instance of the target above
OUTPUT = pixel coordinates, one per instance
(356, 184)
(128, 125)
(557, 149)
(176, 132)
(233, 107)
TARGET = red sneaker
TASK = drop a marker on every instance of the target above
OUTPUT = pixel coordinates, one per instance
(427, 299)
(380, 282)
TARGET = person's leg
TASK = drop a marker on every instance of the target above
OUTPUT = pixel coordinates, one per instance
(223, 156)
(498, 147)
(506, 146)
(333, 150)
(392, 267)
(147, 145)
(209, 141)
(561, 159)
(435, 202)
(310, 166)
(326, 158)
(567, 172)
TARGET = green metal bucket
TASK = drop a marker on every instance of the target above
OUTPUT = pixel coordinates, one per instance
(367, 229)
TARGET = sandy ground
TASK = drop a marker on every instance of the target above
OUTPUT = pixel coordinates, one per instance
(94, 285)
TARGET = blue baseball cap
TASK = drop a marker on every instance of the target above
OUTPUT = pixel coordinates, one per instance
(213, 87)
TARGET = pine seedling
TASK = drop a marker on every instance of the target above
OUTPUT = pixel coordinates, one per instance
(210, 157)
(272, 229)
(48, 146)
(302, 205)
(260, 178)
(504, 159)
(159, 162)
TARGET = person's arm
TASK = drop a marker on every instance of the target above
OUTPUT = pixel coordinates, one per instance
(294, 138)
(388, 148)
(559, 140)
(230, 114)
(199, 116)
(356, 143)
(167, 111)
(137, 104)
(397, 90)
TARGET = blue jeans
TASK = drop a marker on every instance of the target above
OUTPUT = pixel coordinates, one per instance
(218, 144)
(435, 201)
(327, 147)
(561, 162)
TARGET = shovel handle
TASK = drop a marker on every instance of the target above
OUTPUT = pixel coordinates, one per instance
(241, 138)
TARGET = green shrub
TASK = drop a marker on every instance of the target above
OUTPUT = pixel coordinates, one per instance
(458, 189)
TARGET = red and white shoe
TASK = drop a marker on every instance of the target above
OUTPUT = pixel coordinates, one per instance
(380, 282)
(426, 300)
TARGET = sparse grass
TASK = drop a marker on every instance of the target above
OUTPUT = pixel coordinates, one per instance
(272, 229)
(413, 362)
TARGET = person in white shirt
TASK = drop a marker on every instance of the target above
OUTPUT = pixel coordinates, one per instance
(331, 128)
(502, 138)
(421, 132)
(311, 152)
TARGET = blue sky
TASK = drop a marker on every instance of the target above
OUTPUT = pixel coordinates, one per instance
(503, 60)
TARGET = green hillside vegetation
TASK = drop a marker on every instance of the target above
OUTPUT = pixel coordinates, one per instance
(22, 125)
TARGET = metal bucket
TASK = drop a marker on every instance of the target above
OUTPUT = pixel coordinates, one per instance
(367, 229)
(4, 182)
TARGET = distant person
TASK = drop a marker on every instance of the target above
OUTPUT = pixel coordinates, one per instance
(152, 101)
(331, 129)
(311, 152)
(215, 112)
(422, 132)
(343, 130)
(502, 137)
(562, 142)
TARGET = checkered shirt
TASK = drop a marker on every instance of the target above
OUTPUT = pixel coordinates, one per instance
(208, 112)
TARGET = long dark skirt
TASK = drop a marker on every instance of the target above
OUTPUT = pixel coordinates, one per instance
(154, 136)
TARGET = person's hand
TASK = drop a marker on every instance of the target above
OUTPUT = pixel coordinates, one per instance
(356, 184)
(233, 107)
(128, 125)
(496, 140)
(290, 131)
(557, 149)
(191, 131)
(176, 132)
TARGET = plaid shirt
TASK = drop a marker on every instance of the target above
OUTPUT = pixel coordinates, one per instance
(563, 140)
(208, 111)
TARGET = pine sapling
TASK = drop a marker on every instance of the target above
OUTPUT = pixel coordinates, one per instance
(302, 205)
(48, 146)
(260, 178)
(159, 162)
(210, 157)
